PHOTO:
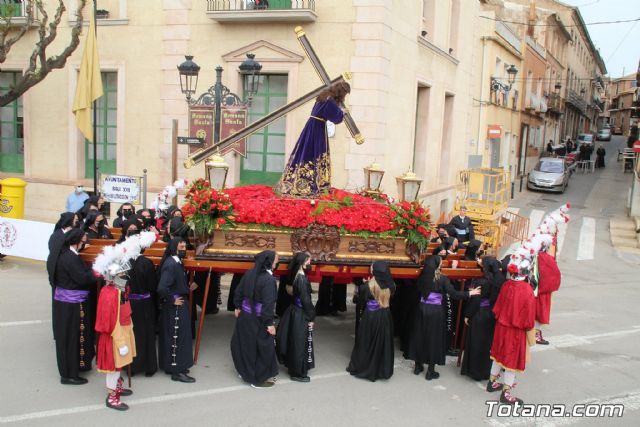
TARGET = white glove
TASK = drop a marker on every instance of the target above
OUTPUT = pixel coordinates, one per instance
(123, 350)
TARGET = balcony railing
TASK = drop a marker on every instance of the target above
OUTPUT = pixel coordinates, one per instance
(14, 12)
(554, 103)
(262, 10)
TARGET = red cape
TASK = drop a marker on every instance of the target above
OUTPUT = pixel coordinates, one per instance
(548, 282)
(515, 315)
(106, 314)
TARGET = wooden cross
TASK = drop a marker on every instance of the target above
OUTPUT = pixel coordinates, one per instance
(204, 153)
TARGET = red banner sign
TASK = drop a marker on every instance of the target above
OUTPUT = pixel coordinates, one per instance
(201, 118)
(232, 120)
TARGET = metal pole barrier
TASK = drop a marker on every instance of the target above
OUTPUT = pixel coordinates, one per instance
(521, 176)
(144, 188)
(513, 187)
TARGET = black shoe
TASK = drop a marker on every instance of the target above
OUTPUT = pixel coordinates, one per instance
(432, 375)
(186, 371)
(453, 352)
(418, 369)
(73, 381)
(119, 407)
(301, 379)
(183, 378)
(493, 386)
(126, 392)
(508, 399)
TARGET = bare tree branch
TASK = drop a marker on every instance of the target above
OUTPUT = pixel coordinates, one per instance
(39, 64)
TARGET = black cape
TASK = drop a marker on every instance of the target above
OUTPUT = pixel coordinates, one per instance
(173, 281)
(252, 347)
(143, 279)
(373, 353)
(73, 323)
(294, 340)
(476, 362)
(428, 343)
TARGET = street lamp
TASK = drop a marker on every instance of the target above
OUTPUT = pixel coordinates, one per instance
(373, 177)
(250, 68)
(557, 87)
(217, 170)
(408, 186)
(189, 71)
(512, 71)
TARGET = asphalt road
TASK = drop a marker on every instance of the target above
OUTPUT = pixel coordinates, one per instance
(593, 356)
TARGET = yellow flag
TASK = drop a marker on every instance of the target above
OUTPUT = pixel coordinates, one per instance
(89, 83)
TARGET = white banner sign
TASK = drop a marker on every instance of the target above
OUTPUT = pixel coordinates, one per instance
(121, 188)
(26, 239)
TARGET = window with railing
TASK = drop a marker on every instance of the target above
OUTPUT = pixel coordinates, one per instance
(106, 128)
(11, 8)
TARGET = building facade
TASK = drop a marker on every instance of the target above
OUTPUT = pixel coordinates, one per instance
(624, 105)
(412, 70)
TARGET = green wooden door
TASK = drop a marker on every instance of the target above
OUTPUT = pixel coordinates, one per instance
(11, 129)
(265, 149)
(106, 129)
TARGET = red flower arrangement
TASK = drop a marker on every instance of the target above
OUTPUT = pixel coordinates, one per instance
(207, 208)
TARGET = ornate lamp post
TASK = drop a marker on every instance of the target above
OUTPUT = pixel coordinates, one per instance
(218, 94)
(512, 71)
(373, 178)
(217, 170)
(408, 186)
(250, 68)
(189, 71)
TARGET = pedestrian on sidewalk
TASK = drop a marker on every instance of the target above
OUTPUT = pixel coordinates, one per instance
(75, 200)
(600, 153)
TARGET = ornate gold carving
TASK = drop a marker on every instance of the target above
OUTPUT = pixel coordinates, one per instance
(371, 247)
(413, 252)
(321, 241)
(249, 240)
(189, 163)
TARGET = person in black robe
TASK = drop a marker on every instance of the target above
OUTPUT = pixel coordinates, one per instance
(72, 320)
(600, 153)
(93, 203)
(403, 307)
(332, 297)
(284, 296)
(463, 226)
(143, 285)
(373, 353)
(235, 281)
(95, 225)
(479, 318)
(67, 222)
(252, 345)
(428, 341)
(294, 338)
(175, 340)
(125, 212)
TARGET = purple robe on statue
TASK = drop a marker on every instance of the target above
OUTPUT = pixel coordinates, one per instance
(308, 171)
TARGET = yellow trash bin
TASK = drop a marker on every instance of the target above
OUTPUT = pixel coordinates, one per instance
(12, 198)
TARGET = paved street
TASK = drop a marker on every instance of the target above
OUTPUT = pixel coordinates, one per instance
(593, 356)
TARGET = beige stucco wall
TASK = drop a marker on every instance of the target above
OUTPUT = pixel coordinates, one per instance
(377, 40)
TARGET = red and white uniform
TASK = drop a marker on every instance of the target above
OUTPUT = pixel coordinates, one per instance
(548, 282)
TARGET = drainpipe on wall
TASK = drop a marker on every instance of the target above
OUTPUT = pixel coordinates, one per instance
(484, 45)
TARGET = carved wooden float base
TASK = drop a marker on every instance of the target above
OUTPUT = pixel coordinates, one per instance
(322, 242)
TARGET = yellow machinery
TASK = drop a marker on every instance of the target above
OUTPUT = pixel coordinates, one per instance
(485, 193)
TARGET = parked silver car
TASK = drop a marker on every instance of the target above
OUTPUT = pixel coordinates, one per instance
(604, 134)
(550, 174)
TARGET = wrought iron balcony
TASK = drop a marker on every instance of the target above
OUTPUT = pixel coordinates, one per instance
(14, 13)
(555, 103)
(238, 11)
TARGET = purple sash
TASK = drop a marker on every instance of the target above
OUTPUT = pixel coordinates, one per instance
(485, 303)
(297, 302)
(246, 307)
(138, 297)
(70, 296)
(434, 298)
(372, 305)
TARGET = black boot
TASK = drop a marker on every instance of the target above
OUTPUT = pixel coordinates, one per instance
(418, 368)
(431, 373)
